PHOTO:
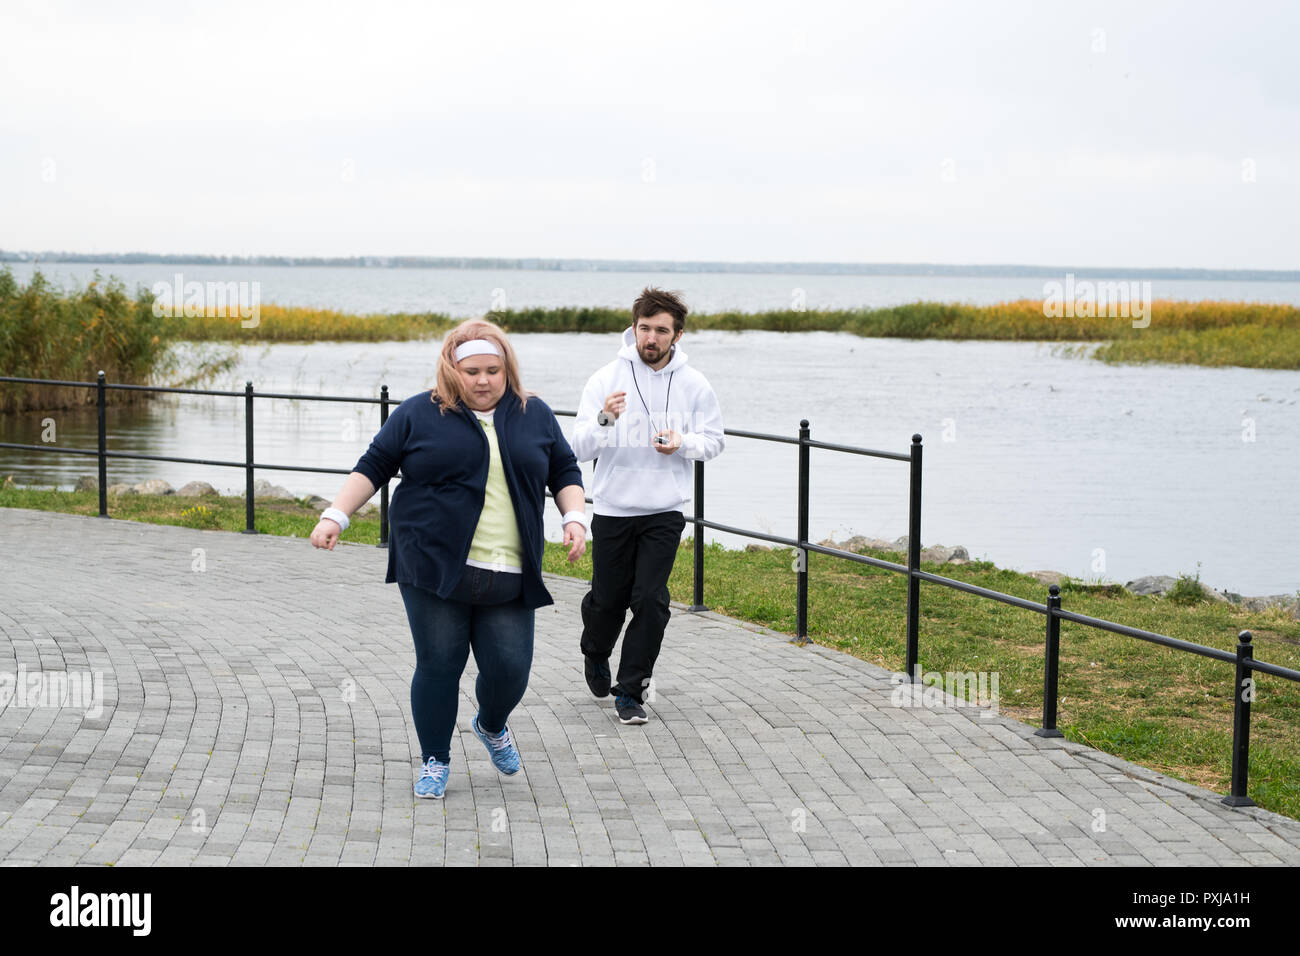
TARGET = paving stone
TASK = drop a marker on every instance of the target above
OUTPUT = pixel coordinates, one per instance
(226, 738)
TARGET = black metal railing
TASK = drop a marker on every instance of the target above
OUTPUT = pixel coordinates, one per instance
(1243, 660)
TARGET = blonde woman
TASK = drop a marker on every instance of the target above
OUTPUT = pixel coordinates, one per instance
(465, 548)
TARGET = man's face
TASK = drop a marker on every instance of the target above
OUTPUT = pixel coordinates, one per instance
(654, 337)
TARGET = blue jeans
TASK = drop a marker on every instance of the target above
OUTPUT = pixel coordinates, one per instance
(485, 614)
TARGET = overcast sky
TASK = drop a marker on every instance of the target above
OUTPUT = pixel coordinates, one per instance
(1124, 134)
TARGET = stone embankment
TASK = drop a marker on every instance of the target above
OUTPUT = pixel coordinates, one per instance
(198, 489)
(1156, 585)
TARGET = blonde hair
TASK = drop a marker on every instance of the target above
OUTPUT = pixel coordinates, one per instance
(450, 392)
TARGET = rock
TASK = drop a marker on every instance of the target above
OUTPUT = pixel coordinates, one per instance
(938, 554)
(122, 489)
(858, 543)
(762, 547)
(1221, 596)
(87, 483)
(154, 486)
(1152, 584)
(264, 489)
(1264, 602)
(317, 503)
(195, 489)
(367, 508)
(1048, 577)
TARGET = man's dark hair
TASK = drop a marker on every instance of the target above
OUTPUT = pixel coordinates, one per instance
(652, 301)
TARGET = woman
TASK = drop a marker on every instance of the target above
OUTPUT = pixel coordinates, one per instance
(466, 541)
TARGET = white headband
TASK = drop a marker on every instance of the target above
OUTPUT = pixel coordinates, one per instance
(476, 347)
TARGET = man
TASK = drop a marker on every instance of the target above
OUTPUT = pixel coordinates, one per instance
(643, 447)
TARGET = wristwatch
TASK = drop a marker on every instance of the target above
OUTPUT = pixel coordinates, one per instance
(603, 418)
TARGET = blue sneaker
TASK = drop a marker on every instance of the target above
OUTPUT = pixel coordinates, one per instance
(433, 779)
(501, 749)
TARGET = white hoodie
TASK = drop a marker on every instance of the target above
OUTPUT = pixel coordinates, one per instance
(631, 477)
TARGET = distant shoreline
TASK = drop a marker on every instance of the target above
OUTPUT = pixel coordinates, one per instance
(538, 264)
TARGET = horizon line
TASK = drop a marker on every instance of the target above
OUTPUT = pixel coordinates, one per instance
(581, 264)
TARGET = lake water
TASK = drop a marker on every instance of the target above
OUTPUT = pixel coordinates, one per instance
(1032, 459)
(467, 292)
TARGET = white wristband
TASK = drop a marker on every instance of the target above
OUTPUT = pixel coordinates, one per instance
(578, 516)
(338, 517)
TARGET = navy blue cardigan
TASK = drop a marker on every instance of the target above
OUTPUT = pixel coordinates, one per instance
(444, 464)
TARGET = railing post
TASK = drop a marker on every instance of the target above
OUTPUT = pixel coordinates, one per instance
(383, 492)
(1243, 692)
(1051, 664)
(697, 541)
(101, 401)
(914, 562)
(248, 459)
(801, 557)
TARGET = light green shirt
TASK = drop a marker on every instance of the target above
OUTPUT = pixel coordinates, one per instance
(497, 544)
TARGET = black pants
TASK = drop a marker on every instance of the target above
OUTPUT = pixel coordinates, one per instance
(631, 560)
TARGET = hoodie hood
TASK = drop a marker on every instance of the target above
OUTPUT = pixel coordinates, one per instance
(629, 352)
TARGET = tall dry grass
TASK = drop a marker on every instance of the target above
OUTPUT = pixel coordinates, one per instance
(1250, 334)
(281, 323)
(1204, 333)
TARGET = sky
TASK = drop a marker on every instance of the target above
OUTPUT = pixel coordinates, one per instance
(1107, 134)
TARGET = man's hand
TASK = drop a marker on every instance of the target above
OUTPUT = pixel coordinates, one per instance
(575, 535)
(325, 534)
(615, 404)
(674, 442)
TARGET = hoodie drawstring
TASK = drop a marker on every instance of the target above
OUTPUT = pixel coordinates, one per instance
(667, 397)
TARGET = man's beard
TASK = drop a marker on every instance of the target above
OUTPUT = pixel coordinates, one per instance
(651, 357)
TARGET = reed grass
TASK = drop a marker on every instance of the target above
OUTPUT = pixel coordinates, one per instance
(1256, 335)
(282, 323)
(52, 333)
(1211, 333)
(1022, 319)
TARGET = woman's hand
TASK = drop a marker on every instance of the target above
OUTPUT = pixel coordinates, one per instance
(325, 534)
(576, 536)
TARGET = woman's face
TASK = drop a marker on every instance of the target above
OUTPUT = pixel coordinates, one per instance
(484, 380)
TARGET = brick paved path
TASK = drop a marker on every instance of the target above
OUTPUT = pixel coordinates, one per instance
(228, 735)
